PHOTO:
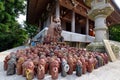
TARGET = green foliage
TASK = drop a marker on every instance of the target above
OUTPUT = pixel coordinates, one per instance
(114, 32)
(11, 33)
(31, 30)
(1, 6)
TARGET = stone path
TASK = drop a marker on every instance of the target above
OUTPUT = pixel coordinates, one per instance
(110, 71)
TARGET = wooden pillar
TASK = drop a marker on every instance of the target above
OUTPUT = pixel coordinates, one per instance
(57, 9)
(87, 26)
(73, 21)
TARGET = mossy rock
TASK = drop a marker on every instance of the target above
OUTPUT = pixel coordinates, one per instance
(115, 50)
(96, 47)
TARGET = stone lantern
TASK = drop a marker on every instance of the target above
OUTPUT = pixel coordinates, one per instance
(100, 9)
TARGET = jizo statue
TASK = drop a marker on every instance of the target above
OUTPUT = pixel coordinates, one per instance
(19, 65)
(11, 67)
(29, 71)
(55, 25)
(65, 68)
(54, 30)
(90, 65)
(71, 65)
(7, 58)
(79, 68)
(41, 68)
(40, 72)
(54, 69)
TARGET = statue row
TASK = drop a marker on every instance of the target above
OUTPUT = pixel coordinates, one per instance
(52, 59)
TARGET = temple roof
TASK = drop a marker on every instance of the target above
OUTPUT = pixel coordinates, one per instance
(34, 10)
(114, 18)
(36, 7)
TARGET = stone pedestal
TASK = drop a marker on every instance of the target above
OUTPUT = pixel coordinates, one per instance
(100, 10)
(96, 47)
(100, 28)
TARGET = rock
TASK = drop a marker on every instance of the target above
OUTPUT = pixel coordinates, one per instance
(11, 67)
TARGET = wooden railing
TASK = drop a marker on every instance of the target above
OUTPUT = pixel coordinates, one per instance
(68, 36)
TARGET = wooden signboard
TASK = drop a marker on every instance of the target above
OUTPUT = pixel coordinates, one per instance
(109, 50)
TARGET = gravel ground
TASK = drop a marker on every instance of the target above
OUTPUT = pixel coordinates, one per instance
(111, 71)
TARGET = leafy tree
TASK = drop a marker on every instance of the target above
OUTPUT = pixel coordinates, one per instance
(11, 33)
(32, 30)
(114, 32)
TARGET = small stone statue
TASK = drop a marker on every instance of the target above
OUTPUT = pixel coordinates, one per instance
(65, 68)
(7, 58)
(29, 70)
(41, 68)
(35, 61)
(96, 64)
(19, 65)
(79, 68)
(106, 58)
(11, 67)
(100, 60)
(24, 68)
(71, 65)
(90, 65)
(75, 62)
(41, 72)
(54, 69)
(103, 57)
(83, 64)
(46, 66)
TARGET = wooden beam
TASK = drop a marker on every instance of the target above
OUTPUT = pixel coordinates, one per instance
(67, 11)
(68, 5)
(109, 50)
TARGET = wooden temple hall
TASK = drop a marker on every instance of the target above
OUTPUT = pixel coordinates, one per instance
(73, 15)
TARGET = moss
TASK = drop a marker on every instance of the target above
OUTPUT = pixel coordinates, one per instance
(98, 47)
(115, 50)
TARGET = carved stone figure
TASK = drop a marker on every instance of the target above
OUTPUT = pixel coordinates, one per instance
(54, 28)
(64, 67)
(54, 69)
(40, 72)
(55, 58)
(106, 58)
(83, 64)
(47, 65)
(74, 61)
(19, 65)
(71, 65)
(54, 31)
(41, 68)
(79, 68)
(35, 61)
(100, 60)
(96, 64)
(26, 66)
(29, 71)
(11, 67)
(7, 58)
(90, 65)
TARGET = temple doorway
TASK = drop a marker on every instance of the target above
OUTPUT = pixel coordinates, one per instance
(68, 26)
